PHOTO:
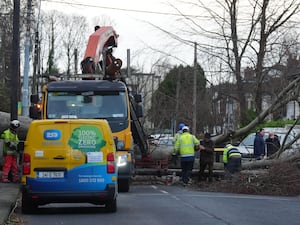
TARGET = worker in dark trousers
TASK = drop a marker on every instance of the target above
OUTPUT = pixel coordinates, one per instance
(185, 146)
(232, 160)
(206, 157)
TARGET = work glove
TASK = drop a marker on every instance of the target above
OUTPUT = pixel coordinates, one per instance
(174, 154)
(13, 145)
(225, 165)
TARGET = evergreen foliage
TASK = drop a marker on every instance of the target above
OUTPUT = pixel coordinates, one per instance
(163, 111)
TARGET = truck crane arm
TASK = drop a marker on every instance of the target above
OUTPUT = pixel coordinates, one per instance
(100, 45)
(99, 53)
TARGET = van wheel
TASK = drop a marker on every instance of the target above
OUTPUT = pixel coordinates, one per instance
(123, 185)
(27, 206)
(111, 206)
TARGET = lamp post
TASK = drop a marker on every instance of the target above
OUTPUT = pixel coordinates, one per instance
(195, 90)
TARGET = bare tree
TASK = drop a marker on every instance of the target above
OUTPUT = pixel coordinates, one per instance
(103, 20)
(6, 27)
(49, 41)
(238, 33)
(73, 39)
(290, 92)
(5, 51)
(271, 20)
(63, 38)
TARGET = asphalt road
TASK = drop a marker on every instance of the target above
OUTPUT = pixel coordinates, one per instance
(175, 205)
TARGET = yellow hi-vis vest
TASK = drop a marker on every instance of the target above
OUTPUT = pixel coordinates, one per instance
(185, 144)
(10, 137)
(229, 152)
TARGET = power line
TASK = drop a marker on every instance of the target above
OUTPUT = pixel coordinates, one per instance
(134, 10)
(123, 9)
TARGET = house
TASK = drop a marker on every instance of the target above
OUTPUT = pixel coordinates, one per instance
(225, 99)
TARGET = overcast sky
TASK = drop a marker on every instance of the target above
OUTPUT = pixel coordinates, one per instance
(131, 21)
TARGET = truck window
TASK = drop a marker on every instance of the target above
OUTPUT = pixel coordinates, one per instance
(108, 105)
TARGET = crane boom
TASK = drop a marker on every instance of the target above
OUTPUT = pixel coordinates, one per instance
(103, 37)
(99, 53)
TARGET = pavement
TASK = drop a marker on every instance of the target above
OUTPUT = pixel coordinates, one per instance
(9, 193)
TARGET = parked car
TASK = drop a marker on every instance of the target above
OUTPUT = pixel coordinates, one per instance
(154, 138)
(166, 143)
(162, 149)
(246, 145)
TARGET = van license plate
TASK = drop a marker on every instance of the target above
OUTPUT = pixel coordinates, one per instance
(52, 174)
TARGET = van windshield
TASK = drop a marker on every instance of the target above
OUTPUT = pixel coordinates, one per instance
(86, 105)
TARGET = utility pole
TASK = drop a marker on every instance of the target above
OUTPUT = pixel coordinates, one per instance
(195, 91)
(152, 94)
(75, 61)
(36, 60)
(25, 87)
(15, 62)
(34, 88)
(177, 99)
(128, 63)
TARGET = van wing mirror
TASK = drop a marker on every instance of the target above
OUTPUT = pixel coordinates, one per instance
(139, 111)
(138, 98)
(34, 99)
(34, 112)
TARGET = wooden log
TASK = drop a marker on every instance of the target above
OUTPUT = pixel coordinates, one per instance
(265, 163)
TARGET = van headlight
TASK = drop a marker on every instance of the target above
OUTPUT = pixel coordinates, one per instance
(122, 160)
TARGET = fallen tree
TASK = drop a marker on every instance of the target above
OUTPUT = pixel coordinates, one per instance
(289, 93)
(266, 163)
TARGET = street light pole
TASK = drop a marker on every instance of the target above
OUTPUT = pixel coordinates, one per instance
(195, 91)
(177, 99)
(25, 87)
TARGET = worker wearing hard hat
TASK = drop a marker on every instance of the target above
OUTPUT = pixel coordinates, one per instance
(11, 142)
(179, 132)
(176, 137)
(232, 160)
(185, 146)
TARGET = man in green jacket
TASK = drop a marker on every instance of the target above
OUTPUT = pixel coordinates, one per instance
(185, 146)
(11, 142)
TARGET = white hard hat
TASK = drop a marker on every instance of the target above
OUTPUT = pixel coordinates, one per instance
(15, 124)
(186, 128)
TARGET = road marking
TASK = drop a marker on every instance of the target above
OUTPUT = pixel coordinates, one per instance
(175, 197)
(223, 195)
(278, 198)
(154, 187)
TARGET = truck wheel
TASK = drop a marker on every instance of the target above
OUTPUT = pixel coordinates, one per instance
(111, 206)
(123, 185)
(27, 206)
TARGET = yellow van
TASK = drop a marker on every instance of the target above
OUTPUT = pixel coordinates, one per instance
(69, 160)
